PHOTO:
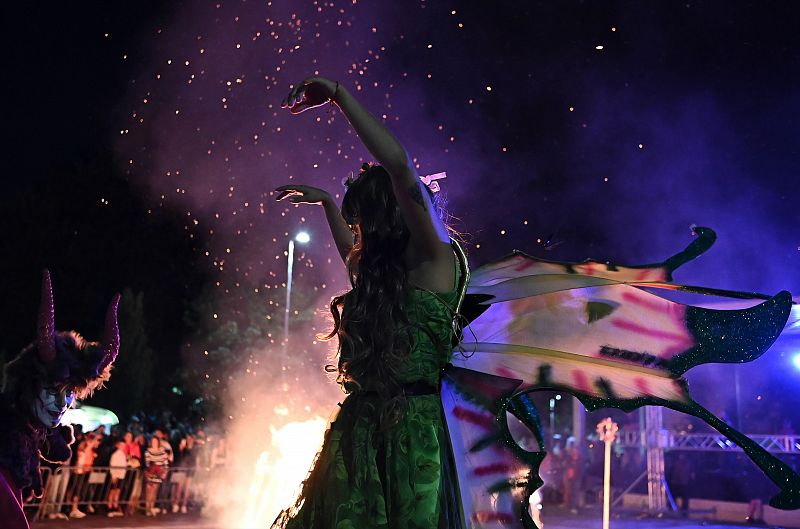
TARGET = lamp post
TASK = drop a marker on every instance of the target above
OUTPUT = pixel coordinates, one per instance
(607, 432)
(302, 238)
(553, 416)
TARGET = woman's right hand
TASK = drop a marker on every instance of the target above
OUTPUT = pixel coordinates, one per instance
(300, 194)
(311, 93)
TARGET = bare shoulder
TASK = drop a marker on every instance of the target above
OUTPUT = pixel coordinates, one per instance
(436, 274)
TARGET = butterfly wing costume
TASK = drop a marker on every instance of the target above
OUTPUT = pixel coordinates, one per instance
(599, 332)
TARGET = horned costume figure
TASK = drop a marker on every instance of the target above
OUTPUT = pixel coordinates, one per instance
(38, 386)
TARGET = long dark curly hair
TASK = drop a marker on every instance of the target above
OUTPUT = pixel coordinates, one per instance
(370, 319)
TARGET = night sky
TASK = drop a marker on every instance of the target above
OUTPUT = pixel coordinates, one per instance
(143, 141)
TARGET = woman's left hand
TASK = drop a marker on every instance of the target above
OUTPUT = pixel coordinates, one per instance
(310, 93)
(300, 194)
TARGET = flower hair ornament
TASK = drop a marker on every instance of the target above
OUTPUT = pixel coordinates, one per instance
(431, 181)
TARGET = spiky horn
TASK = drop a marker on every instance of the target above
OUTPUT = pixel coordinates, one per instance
(111, 335)
(46, 328)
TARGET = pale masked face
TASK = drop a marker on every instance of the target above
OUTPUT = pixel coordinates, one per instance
(51, 404)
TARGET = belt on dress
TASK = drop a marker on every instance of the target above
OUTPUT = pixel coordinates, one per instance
(412, 389)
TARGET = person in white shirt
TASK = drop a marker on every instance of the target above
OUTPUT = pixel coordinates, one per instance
(119, 467)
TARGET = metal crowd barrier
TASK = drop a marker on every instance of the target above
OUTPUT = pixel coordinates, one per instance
(182, 486)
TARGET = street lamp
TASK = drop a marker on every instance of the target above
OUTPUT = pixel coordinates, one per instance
(302, 237)
(553, 416)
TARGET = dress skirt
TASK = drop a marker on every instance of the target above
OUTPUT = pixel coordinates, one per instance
(365, 478)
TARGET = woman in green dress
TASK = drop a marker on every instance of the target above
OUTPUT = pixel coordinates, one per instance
(386, 460)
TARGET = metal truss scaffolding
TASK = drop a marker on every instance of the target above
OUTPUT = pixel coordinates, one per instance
(656, 482)
(705, 442)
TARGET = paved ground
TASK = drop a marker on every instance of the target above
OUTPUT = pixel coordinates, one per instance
(169, 521)
(138, 522)
(552, 519)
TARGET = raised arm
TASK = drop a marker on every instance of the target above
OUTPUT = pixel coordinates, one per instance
(427, 230)
(342, 235)
(300, 194)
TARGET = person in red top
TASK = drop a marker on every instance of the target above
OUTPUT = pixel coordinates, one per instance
(37, 388)
(132, 448)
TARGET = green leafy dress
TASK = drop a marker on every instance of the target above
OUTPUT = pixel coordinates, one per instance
(403, 477)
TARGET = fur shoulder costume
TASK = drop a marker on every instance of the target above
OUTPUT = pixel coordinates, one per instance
(38, 385)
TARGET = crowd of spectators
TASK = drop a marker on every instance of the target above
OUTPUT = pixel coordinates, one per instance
(140, 461)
